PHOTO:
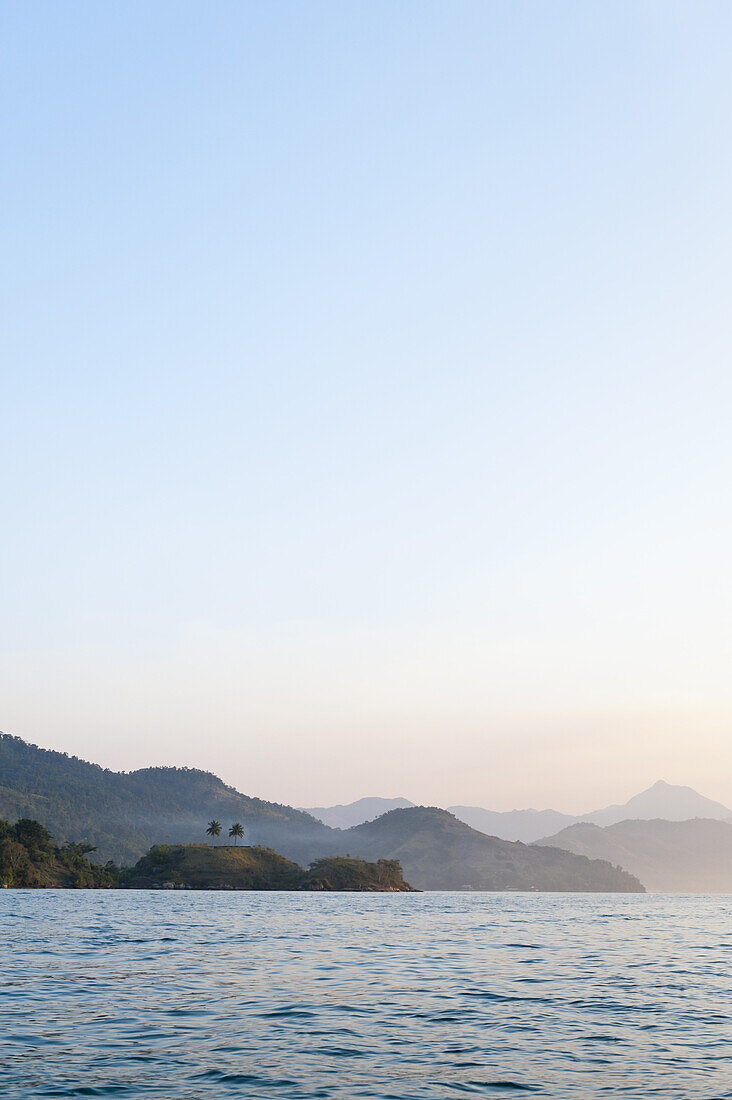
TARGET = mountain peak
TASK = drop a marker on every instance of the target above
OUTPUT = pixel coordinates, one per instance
(668, 801)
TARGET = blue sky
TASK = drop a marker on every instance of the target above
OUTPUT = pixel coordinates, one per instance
(366, 394)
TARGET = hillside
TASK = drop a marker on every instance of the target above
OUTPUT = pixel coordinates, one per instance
(29, 858)
(438, 852)
(674, 856)
(125, 813)
(199, 867)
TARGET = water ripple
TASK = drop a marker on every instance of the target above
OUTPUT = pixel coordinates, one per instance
(403, 997)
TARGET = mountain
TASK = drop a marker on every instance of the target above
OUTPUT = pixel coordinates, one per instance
(675, 856)
(438, 852)
(662, 800)
(126, 813)
(524, 825)
(355, 813)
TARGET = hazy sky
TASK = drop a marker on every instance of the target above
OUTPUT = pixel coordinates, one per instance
(367, 394)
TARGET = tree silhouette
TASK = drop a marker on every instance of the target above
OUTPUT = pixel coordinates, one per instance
(213, 830)
(236, 831)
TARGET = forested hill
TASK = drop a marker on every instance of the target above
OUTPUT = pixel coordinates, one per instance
(693, 857)
(438, 852)
(29, 858)
(125, 813)
(201, 867)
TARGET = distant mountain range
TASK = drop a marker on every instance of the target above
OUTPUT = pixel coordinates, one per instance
(355, 813)
(692, 856)
(523, 825)
(662, 800)
(124, 814)
(667, 837)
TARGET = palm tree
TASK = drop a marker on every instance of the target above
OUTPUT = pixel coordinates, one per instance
(236, 831)
(214, 830)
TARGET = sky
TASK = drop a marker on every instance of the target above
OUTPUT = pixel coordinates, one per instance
(366, 394)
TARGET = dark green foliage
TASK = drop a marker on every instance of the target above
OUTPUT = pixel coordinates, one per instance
(28, 857)
(347, 873)
(200, 867)
(34, 837)
(123, 813)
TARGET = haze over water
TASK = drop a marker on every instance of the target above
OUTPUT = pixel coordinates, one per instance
(410, 997)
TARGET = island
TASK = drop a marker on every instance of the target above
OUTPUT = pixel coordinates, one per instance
(29, 859)
(226, 867)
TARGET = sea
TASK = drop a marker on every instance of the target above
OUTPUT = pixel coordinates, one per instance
(397, 996)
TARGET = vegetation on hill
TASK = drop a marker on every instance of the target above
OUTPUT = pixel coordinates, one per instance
(676, 856)
(350, 873)
(200, 867)
(438, 852)
(123, 813)
(28, 857)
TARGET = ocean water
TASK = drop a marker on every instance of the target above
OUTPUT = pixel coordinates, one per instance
(396, 996)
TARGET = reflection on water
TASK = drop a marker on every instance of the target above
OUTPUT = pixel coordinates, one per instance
(209, 995)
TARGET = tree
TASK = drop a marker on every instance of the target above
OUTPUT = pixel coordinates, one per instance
(213, 830)
(236, 831)
(33, 836)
